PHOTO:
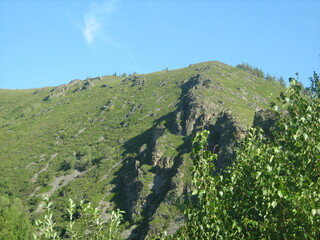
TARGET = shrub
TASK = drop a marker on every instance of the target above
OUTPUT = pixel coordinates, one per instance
(14, 223)
(95, 227)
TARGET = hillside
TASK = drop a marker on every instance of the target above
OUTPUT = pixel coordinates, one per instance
(124, 142)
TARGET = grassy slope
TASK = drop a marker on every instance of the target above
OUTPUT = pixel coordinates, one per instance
(89, 130)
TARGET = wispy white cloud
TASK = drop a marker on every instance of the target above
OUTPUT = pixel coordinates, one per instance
(91, 28)
(96, 21)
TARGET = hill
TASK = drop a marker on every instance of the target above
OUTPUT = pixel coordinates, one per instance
(124, 142)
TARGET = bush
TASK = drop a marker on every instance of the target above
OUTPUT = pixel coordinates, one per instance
(94, 226)
(14, 223)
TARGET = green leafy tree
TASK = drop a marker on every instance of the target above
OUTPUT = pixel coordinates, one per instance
(315, 86)
(272, 190)
(14, 223)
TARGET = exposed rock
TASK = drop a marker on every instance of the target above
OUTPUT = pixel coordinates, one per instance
(125, 123)
(203, 68)
(102, 138)
(162, 83)
(108, 106)
(132, 188)
(265, 119)
(259, 99)
(74, 82)
(223, 137)
(192, 114)
(79, 132)
(86, 86)
(195, 82)
(35, 176)
(243, 90)
(160, 99)
(60, 89)
(254, 106)
(39, 90)
(133, 110)
(156, 153)
(56, 92)
(135, 80)
(153, 177)
(194, 111)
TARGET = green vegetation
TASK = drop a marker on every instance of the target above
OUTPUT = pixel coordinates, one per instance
(93, 225)
(258, 72)
(14, 222)
(247, 67)
(314, 89)
(119, 142)
(271, 191)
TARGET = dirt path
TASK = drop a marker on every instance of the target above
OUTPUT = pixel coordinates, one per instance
(35, 176)
(64, 180)
(59, 182)
(31, 164)
(113, 167)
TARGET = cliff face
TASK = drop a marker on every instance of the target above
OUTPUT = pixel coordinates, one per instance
(153, 183)
(125, 142)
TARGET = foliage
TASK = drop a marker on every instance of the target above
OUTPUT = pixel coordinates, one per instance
(315, 86)
(247, 67)
(259, 73)
(14, 224)
(95, 227)
(270, 78)
(272, 190)
(282, 82)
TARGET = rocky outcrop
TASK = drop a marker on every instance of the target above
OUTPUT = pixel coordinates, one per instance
(60, 90)
(156, 152)
(224, 135)
(75, 82)
(108, 106)
(265, 119)
(86, 86)
(143, 180)
(135, 80)
(57, 92)
(194, 110)
(154, 174)
(153, 180)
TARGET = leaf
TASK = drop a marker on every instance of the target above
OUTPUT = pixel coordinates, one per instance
(258, 174)
(201, 192)
(265, 192)
(274, 204)
(271, 158)
(269, 168)
(280, 194)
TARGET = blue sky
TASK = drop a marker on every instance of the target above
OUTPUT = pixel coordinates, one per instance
(51, 42)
